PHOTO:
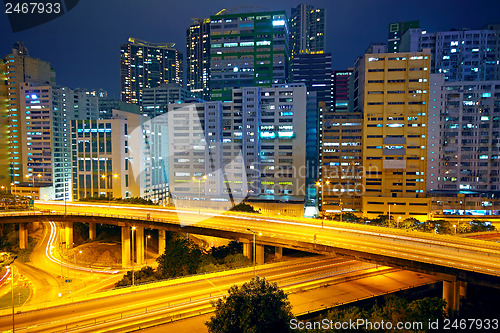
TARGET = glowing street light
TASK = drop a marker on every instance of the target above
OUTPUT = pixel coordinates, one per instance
(133, 259)
(199, 190)
(254, 249)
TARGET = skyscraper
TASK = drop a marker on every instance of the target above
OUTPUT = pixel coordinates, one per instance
(315, 71)
(46, 146)
(198, 57)
(461, 55)
(147, 65)
(341, 153)
(307, 30)
(393, 92)
(247, 50)
(464, 131)
(19, 68)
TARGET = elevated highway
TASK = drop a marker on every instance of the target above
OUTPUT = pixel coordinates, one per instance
(454, 258)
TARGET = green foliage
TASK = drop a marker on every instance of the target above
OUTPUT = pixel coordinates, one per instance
(130, 201)
(395, 309)
(243, 207)
(256, 306)
(144, 275)
(182, 257)
(223, 251)
(479, 226)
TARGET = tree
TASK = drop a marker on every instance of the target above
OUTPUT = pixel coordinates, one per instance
(257, 306)
(181, 257)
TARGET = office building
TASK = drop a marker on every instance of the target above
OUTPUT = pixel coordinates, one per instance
(253, 146)
(461, 55)
(155, 100)
(46, 146)
(247, 50)
(19, 68)
(147, 65)
(396, 31)
(307, 30)
(198, 57)
(108, 157)
(463, 140)
(315, 71)
(341, 154)
(393, 90)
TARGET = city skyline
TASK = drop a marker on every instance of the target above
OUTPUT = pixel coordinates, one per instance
(98, 64)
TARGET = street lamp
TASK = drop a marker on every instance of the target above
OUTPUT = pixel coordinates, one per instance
(133, 259)
(389, 217)
(13, 184)
(147, 237)
(12, 290)
(199, 191)
(254, 252)
(455, 226)
(320, 185)
(399, 219)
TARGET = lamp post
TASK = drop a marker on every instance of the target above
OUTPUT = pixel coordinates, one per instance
(13, 185)
(455, 226)
(199, 191)
(389, 217)
(147, 237)
(133, 259)
(12, 291)
(254, 252)
(399, 219)
(320, 185)
(340, 210)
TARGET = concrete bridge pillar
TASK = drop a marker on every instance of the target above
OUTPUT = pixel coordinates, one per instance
(247, 250)
(451, 294)
(139, 245)
(23, 235)
(126, 262)
(278, 252)
(92, 231)
(259, 252)
(162, 238)
(68, 228)
(463, 289)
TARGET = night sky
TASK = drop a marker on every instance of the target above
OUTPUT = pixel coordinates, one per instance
(83, 45)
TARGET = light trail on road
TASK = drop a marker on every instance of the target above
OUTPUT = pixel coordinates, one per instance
(51, 245)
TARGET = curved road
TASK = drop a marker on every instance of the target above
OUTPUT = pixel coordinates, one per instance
(445, 251)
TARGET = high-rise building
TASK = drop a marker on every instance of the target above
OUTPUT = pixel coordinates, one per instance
(247, 50)
(307, 30)
(147, 65)
(198, 57)
(155, 100)
(108, 156)
(253, 146)
(461, 55)
(315, 71)
(393, 92)
(396, 31)
(341, 154)
(46, 145)
(463, 139)
(19, 68)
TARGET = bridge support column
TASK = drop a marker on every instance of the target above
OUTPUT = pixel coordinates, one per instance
(451, 294)
(68, 228)
(278, 252)
(92, 231)
(247, 250)
(126, 262)
(139, 245)
(162, 238)
(463, 289)
(23, 235)
(259, 252)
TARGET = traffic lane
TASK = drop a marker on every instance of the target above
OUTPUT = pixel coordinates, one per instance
(156, 296)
